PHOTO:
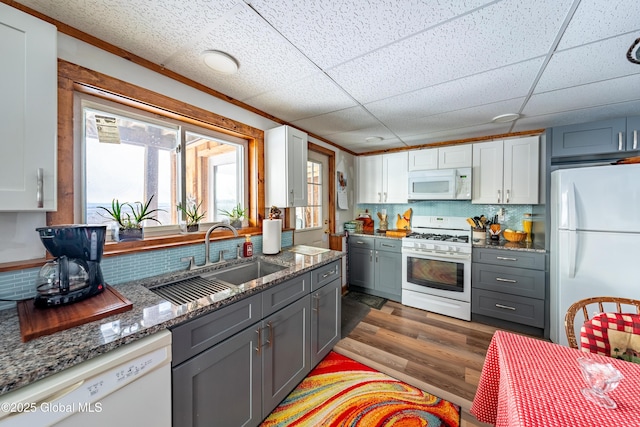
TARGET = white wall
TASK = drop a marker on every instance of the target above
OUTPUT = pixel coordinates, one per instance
(78, 52)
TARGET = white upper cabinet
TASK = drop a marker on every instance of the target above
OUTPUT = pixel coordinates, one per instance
(452, 157)
(28, 112)
(285, 152)
(383, 178)
(506, 171)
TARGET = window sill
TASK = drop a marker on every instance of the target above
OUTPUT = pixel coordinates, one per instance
(148, 244)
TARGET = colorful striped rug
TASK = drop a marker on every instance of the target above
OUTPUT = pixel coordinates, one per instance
(343, 392)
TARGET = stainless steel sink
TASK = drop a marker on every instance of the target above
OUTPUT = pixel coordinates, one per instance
(217, 285)
(243, 273)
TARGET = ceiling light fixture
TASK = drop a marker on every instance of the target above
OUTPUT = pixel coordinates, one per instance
(373, 139)
(505, 118)
(220, 61)
(633, 54)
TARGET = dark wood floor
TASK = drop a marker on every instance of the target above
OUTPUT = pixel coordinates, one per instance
(438, 354)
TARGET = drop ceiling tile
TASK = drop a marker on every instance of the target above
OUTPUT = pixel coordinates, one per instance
(582, 115)
(151, 30)
(492, 86)
(462, 132)
(478, 115)
(309, 97)
(590, 63)
(598, 19)
(334, 32)
(590, 95)
(338, 121)
(266, 61)
(504, 33)
(358, 136)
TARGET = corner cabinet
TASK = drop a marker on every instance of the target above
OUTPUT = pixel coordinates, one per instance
(285, 152)
(615, 136)
(28, 118)
(375, 266)
(383, 178)
(507, 171)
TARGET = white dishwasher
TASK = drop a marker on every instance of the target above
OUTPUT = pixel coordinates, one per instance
(129, 386)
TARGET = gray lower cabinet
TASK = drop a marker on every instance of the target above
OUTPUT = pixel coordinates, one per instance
(361, 266)
(221, 386)
(232, 367)
(325, 319)
(375, 266)
(509, 285)
(285, 352)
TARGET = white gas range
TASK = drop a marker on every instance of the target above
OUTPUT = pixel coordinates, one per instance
(436, 266)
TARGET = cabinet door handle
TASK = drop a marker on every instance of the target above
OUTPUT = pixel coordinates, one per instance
(385, 196)
(259, 347)
(316, 302)
(360, 242)
(506, 307)
(499, 195)
(635, 139)
(370, 256)
(503, 258)
(270, 338)
(387, 246)
(376, 256)
(500, 279)
(619, 141)
(39, 187)
(291, 198)
(328, 273)
(508, 196)
(379, 197)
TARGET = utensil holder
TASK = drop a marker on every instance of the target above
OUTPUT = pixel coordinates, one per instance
(479, 237)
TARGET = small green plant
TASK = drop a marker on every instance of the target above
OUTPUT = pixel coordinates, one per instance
(191, 212)
(237, 213)
(138, 212)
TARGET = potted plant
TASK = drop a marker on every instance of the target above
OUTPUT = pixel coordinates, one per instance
(192, 215)
(236, 215)
(129, 224)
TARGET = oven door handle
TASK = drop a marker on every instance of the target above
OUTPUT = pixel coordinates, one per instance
(439, 255)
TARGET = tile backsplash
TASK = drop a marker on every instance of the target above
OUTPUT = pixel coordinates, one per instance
(513, 213)
(19, 284)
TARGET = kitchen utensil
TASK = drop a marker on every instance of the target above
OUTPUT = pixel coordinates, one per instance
(471, 222)
(75, 272)
(494, 231)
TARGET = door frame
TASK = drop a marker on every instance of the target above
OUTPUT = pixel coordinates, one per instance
(331, 188)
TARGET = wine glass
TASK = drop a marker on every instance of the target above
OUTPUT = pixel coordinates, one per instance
(601, 378)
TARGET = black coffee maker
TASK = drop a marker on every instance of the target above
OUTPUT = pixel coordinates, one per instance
(75, 272)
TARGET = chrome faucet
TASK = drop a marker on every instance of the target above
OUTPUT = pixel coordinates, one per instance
(208, 235)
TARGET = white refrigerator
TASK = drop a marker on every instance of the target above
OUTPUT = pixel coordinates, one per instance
(595, 238)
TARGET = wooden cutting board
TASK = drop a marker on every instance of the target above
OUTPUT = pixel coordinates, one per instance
(36, 322)
(398, 233)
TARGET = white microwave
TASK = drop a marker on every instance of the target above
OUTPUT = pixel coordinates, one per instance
(440, 184)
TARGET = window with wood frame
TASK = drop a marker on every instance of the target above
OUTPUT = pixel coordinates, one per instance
(135, 156)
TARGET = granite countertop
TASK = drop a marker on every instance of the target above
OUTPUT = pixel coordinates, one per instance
(376, 234)
(23, 363)
(510, 246)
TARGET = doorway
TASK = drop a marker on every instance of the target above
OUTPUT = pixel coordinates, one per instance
(313, 222)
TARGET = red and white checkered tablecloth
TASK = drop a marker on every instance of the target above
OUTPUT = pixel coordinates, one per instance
(530, 382)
